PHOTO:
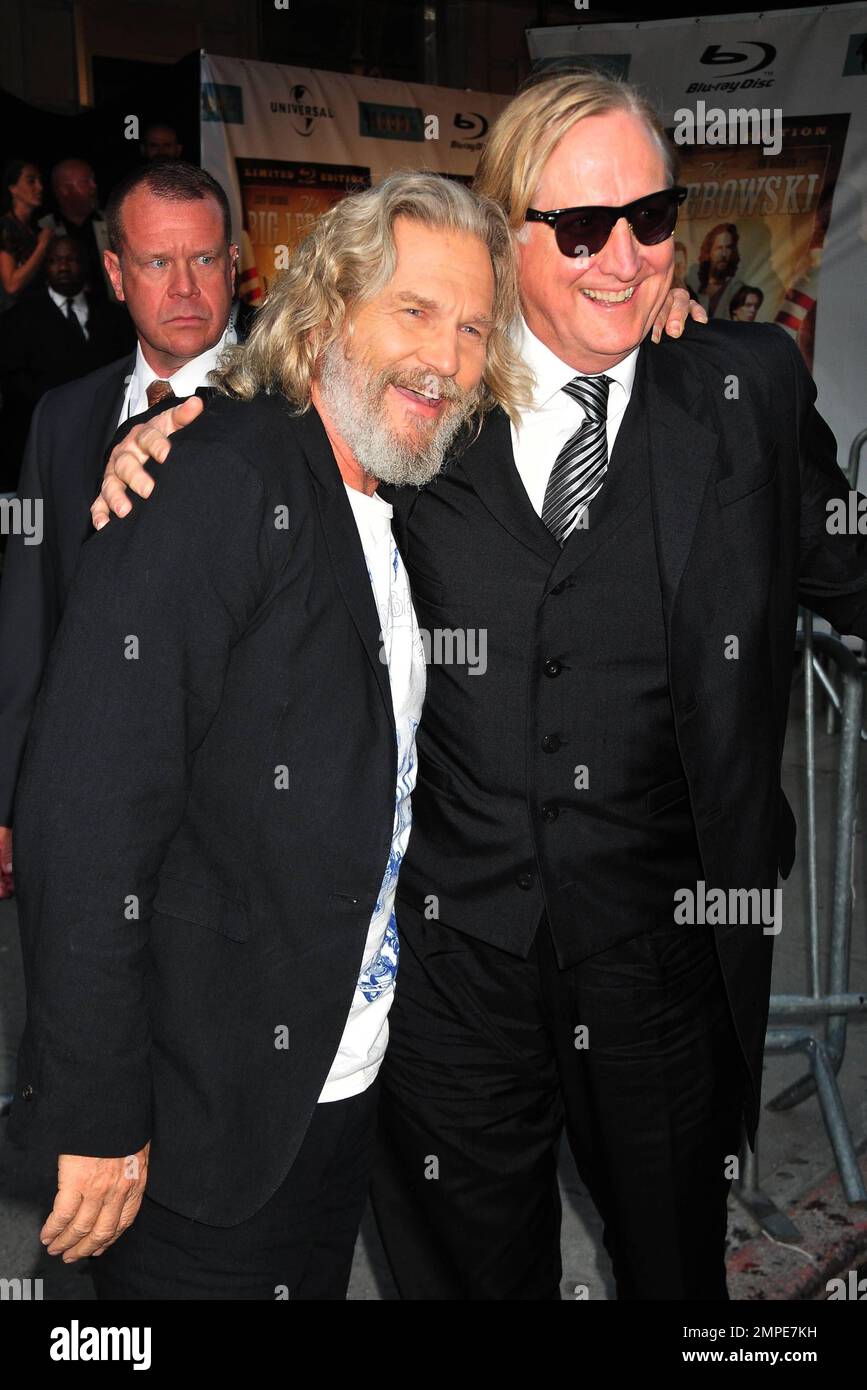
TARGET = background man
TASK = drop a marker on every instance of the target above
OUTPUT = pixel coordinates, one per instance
(173, 265)
(73, 183)
(160, 141)
(57, 335)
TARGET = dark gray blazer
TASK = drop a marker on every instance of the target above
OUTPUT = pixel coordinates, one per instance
(204, 817)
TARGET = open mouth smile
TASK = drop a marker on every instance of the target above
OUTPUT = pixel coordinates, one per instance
(610, 296)
(426, 404)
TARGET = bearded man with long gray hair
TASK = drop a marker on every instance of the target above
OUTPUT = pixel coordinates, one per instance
(215, 800)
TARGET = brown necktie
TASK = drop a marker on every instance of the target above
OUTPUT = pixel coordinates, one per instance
(157, 391)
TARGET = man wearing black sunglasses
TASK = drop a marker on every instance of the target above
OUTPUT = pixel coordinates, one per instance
(633, 551)
(642, 514)
(584, 231)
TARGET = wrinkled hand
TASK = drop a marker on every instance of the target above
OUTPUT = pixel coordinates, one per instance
(125, 467)
(97, 1199)
(672, 315)
(7, 880)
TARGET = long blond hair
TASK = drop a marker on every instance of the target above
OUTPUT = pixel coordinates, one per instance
(524, 135)
(346, 260)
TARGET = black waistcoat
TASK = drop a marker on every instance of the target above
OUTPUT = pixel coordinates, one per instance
(549, 771)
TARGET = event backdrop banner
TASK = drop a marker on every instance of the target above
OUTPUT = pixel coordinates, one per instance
(775, 225)
(287, 143)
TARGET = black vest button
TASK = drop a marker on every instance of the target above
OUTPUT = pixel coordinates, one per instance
(27, 1093)
(552, 667)
(525, 881)
(550, 743)
(549, 811)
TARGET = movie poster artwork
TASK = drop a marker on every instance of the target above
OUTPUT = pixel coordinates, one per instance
(281, 201)
(750, 235)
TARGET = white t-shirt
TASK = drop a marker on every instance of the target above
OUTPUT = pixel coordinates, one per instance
(362, 1046)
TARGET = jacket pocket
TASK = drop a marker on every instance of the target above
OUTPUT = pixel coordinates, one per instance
(747, 480)
(203, 906)
(436, 776)
(426, 589)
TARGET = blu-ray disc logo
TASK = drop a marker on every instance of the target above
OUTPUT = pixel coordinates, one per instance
(715, 56)
(472, 123)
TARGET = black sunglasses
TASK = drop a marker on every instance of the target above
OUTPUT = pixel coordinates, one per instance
(584, 231)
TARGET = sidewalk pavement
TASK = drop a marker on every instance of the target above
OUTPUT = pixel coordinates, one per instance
(796, 1167)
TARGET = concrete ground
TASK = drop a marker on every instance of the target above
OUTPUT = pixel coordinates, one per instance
(796, 1167)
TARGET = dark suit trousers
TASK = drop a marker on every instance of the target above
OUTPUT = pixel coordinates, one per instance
(299, 1245)
(485, 1067)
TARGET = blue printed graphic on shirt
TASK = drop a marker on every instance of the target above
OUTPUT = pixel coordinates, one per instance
(381, 975)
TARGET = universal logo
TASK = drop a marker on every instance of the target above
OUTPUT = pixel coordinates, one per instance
(302, 109)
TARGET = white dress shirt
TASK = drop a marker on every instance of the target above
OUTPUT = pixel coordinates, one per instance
(184, 382)
(79, 306)
(554, 417)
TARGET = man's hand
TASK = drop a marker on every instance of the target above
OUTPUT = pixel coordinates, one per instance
(673, 313)
(97, 1199)
(7, 881)
(125, 467)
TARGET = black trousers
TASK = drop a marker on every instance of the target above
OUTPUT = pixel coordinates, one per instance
(633, 1050)
(299, 1245)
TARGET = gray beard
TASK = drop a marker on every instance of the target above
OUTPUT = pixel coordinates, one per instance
(353, 398)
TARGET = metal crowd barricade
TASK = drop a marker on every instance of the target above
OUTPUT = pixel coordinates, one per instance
(821, 1035)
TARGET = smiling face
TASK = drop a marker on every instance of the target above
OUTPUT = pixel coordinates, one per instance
(592, 312)
(176, 275)
(404, 375)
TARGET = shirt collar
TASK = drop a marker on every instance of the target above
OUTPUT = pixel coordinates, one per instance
(186, 380)
(60, 299)
(551, 373)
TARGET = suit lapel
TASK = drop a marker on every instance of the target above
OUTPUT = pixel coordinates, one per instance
(344, 543)
(102, 425)
(489, 464)
(682, 453)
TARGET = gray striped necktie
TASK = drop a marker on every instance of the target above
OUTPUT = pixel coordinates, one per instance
(580, 466)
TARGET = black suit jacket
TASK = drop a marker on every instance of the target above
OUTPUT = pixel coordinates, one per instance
(741, 468)
(40, 350)
(71, 429)
(204, 817)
